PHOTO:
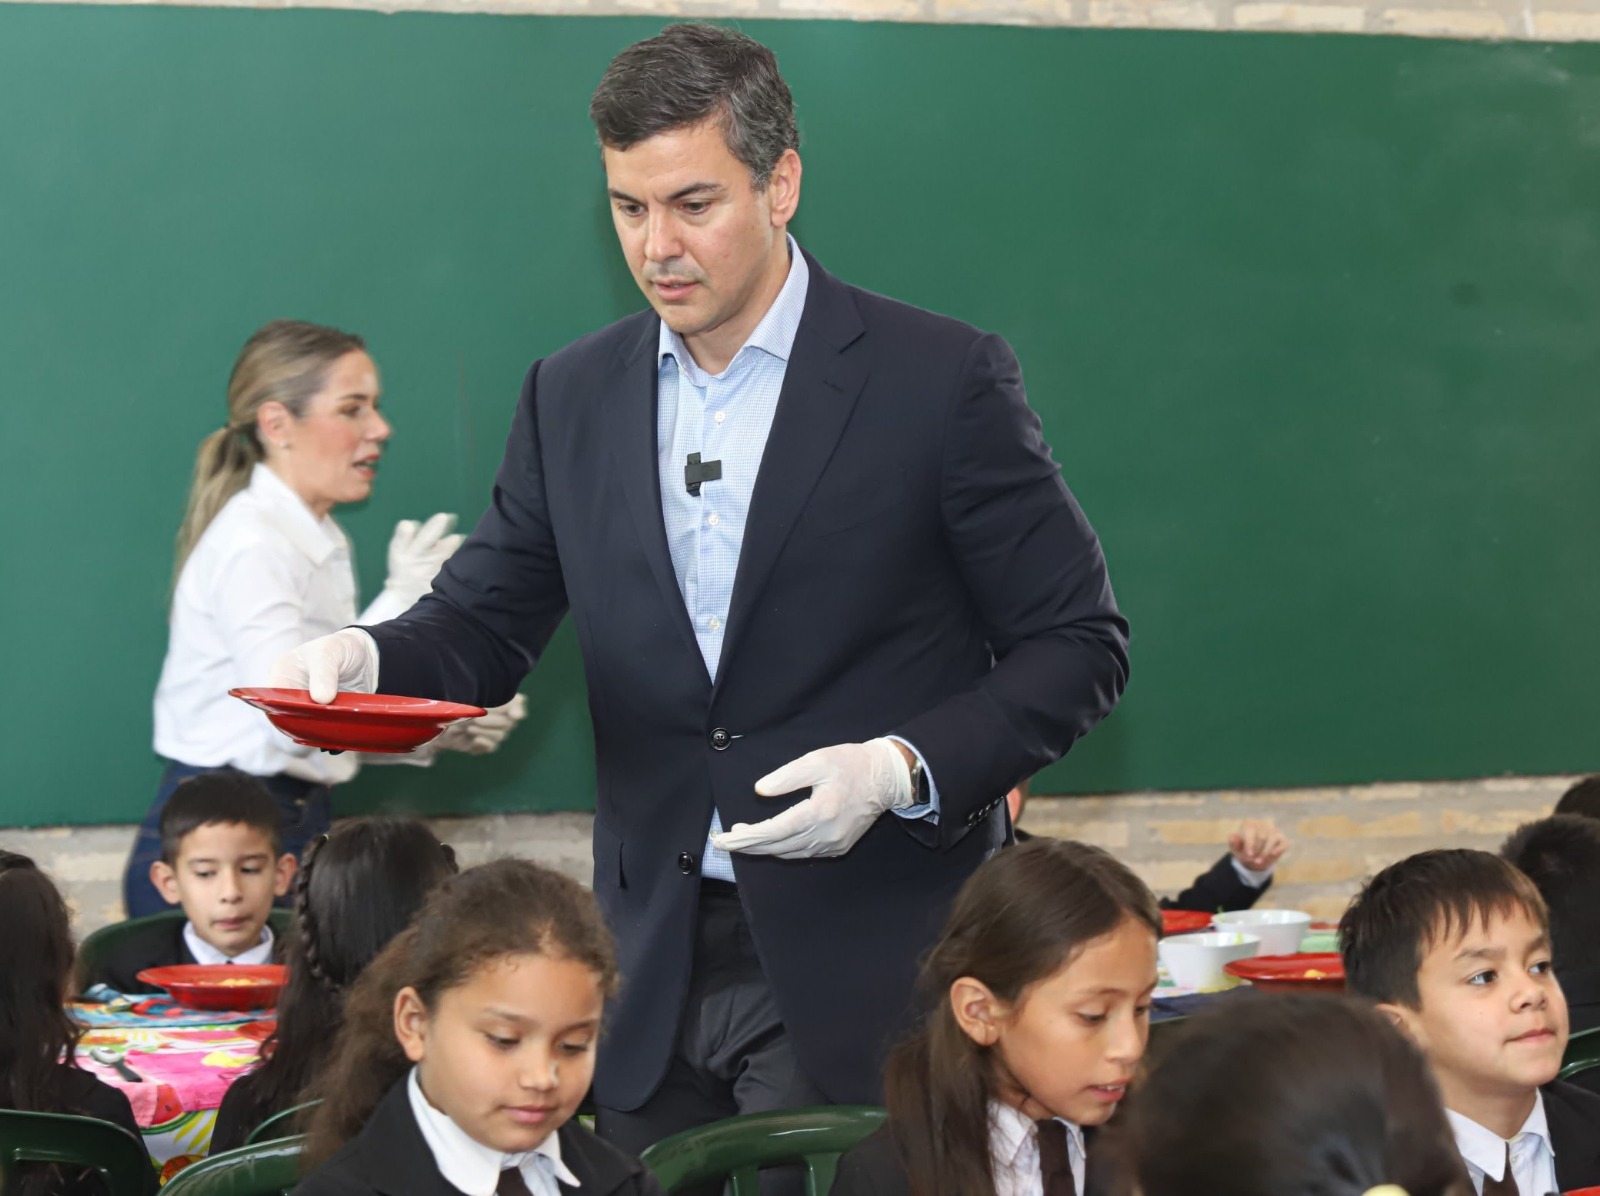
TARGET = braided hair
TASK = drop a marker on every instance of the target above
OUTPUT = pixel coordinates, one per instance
(358, 887)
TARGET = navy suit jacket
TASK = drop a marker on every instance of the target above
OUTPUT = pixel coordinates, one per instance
(912, 564)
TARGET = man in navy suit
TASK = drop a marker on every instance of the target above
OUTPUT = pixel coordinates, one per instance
(833, 598)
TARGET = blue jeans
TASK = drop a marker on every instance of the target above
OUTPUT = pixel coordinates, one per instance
(303, 806)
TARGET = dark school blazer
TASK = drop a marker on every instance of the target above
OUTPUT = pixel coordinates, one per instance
(390, 1157)
(912, 564)
(157, 946)
(873, 1169)
(84, 1095)
(1573, 1115)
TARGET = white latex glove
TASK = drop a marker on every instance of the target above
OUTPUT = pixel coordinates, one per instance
(851, 785)
(346, 660)
(481, 735)
(417, 551)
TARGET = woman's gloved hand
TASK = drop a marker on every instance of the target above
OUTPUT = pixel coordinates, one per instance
(482, 735)
(417, 551)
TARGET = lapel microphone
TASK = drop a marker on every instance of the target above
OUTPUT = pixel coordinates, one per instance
(695, 471)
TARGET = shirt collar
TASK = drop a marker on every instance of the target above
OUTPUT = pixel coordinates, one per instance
(204, 952)
(317, 538)
(1012, 1133)
(1485, 1149)
(471, 1166)
(775, 333)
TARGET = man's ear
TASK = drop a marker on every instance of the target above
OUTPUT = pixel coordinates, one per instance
(286, 869)
(978, 1012)
(411, 1023)
(783, 188)
(165, 879)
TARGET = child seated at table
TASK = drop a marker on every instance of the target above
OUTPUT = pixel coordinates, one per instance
(1454, 946)
(1290, 1095)
(1041, 985)
(1582, 799)
(1236, 881)
(38, 1073)
(467, 1046)
(222, 860)
(358, 887)
(1561, 855)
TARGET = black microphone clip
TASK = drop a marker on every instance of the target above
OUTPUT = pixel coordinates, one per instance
(694, 472)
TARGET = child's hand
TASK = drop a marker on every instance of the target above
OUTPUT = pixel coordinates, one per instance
(1257, 844)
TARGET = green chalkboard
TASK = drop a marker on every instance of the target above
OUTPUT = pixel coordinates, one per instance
(1313, 324)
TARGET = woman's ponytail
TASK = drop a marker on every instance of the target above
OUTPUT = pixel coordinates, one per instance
(221, 469)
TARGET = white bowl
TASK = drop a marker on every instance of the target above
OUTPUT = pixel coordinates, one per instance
(1280, 930)
(1195, 960)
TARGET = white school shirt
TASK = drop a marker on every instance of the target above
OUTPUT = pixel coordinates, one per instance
(1533, 1155)
(204, 952)
(1014, 1152)
(474, 1168)
(266, 576)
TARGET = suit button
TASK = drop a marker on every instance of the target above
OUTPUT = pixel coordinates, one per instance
(720, 739)
(686, 863)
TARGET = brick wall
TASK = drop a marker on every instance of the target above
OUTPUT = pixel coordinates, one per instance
(1340, 835)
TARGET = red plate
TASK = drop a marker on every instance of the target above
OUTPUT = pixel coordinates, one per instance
(356, 722)
(220, 985)
(1184, 921)
(1287, 973)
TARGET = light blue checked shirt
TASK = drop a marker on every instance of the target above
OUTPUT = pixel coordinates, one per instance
(725, 417)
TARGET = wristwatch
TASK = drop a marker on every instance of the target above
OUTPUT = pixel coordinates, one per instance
(919, 781)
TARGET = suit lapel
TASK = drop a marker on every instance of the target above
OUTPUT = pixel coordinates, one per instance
(1575, 1139)
(819, 392)
(633, 386)
(394, 1157)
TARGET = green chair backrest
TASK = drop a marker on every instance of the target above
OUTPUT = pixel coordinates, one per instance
(265, 1169)
(119, 1157)
(1583, 1053)
(93, 950)
(279, 1125)
(736, 1150)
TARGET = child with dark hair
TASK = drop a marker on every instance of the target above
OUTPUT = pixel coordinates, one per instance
(1561, 855)
(1041, 988)
(1582, 799)
(222, 860)
(360, 886)
(37, 1038)
(467, 1046)
(1454, 946)
(1290, 1095)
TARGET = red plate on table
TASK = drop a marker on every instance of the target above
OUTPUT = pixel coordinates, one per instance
(1184, 921)
(220, 985)
(356, 722)
(1319, 972)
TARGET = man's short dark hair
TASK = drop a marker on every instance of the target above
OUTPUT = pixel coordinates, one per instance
(225, 796)
(1583, 799)
(1561, 855)
(690, 73)
(1417, 903)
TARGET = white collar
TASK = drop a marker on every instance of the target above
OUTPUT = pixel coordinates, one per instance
(1485, 1149)
(474, 1168)
(1012, 1134)
(317, 538)
(204, 952)
(774, 334)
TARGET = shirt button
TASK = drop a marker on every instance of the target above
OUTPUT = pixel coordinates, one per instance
(720, 739)
(713, 519)
(686, 863)
(720, 416)
(714, 623)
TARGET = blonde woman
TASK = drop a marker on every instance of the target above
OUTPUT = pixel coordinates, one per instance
(262, 566)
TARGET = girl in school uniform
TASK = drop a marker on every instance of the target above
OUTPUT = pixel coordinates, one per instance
(1041, 984)
(358, 888)
(263, 566)
(37, 1038)
(467, 1047)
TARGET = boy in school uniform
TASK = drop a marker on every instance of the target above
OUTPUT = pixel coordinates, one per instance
(1454, 947)
(1561, 855)
(222, 860)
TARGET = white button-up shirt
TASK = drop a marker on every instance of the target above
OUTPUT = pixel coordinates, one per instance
(204, 952)
(1533, 1156)
(1014, 1152)
(266, 576)
(474, 1168)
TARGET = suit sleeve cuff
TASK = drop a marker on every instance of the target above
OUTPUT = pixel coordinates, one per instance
(1249, 876)
(930, 808)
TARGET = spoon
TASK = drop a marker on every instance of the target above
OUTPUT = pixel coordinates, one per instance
(115, 1058)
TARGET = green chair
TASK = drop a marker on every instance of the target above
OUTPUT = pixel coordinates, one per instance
(279, 1125)
(93, 950)
(119, 1157)
(736, 1150)
(1583, 1053)
(265, 1169)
